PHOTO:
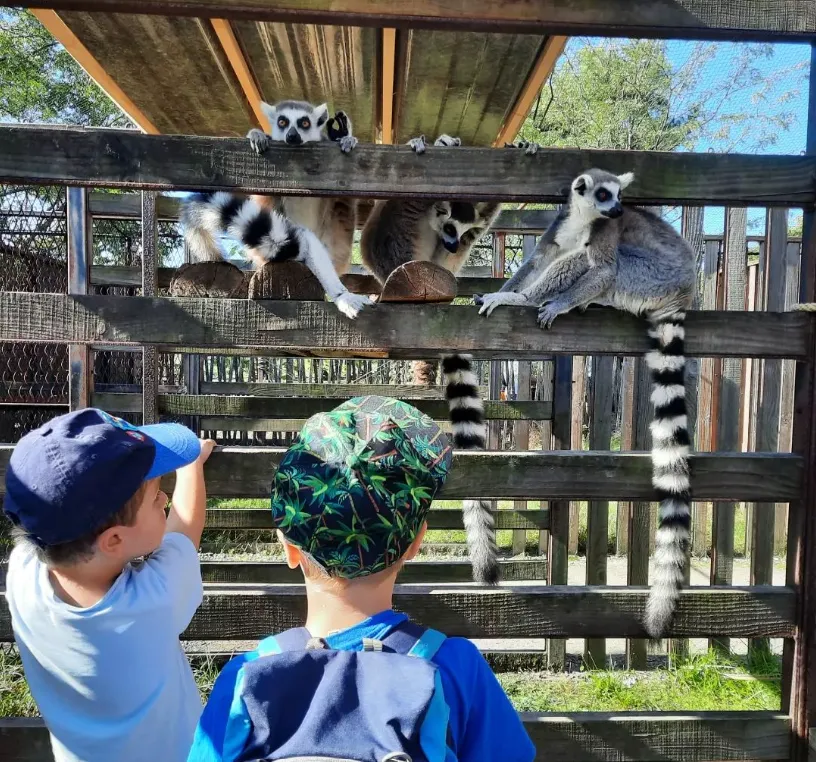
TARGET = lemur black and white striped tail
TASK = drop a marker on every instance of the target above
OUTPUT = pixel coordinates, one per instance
(670, 468)
(467, 419)
(267, 236)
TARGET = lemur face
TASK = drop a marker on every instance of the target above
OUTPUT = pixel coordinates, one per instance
(452, 219)
(296, 122)
(598, 194)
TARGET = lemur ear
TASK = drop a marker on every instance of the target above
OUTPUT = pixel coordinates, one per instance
(321, 114)
(270, 112)
(626, 179)
(442, 208)
(582, 183)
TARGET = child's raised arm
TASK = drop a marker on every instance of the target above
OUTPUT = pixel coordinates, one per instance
(189, 502)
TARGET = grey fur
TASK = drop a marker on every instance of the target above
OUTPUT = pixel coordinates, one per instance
(316, 231)
(401, 231)
(600, 252)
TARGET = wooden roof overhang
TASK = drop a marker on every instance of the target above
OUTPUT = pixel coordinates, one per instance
(205, 75)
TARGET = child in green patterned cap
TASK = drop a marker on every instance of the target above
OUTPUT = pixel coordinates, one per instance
(350, 500)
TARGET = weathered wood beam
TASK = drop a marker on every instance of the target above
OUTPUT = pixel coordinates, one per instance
(126, 159)
(438, 518)
(415, 572)
(289, 407)
(315, 329)
(517, 610)
(681, 19)
(575, 737)
(568, 475)
(342, 390)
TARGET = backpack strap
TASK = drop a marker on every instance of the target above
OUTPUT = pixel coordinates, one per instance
(296, 639)
(414, 640)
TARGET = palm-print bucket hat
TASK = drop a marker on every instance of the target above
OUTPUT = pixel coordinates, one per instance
(354, 490)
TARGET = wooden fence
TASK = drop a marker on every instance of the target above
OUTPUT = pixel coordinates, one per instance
(244, 603)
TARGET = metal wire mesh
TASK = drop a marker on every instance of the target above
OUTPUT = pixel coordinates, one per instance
(33, 257)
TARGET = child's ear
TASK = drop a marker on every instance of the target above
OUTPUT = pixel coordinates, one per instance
(290, 552)
(414, 547)
(110, 541)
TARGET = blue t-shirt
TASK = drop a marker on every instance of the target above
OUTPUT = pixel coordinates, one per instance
(483, 723)
(111, 680)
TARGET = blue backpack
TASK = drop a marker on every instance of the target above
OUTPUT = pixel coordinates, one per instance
(301, 701)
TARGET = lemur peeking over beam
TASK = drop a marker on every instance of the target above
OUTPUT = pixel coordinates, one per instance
(442, 232)
(600, 252)
(315, 231)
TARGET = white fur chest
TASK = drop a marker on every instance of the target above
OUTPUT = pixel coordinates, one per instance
(573, 234)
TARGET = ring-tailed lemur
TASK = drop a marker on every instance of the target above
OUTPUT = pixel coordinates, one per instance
(316, 231)
(442, 232)
(599, 252)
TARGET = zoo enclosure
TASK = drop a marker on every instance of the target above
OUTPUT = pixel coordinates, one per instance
(244, 327)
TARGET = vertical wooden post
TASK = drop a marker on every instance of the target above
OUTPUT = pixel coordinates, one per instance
(767, 427)
(722, 557)
(799, 656)
(80, 254)
(150, 267)
(545, 393)
(600, 438)
(705, 396)
(521, 429)
(557, 551)
(786, 403)
(495, 379)
(577, 439)
(627, 443)
(521, 435)
(640, 514)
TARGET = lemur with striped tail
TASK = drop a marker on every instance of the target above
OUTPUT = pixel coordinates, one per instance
(600, 252)
(399, 231)
(315, 231)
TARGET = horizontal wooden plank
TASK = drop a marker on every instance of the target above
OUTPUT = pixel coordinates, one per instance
(515, 610)
(261, 518)
(317, 329)
(681, 19)
(554, 475)
(287, 407)
(128, 159)
(416, 571)
(359, 283)
(575, 737)
(346, 391)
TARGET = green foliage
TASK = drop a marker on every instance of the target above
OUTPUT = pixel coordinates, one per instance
(629, 95)
(40, 82)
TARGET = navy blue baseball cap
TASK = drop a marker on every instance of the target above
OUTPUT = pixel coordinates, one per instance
(66, 478)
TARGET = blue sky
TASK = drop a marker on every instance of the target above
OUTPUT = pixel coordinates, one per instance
(791, 58)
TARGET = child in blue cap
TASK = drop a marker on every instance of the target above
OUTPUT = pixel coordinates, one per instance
(98, 632)
(359, 682)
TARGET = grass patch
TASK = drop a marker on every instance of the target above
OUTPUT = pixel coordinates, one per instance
(705, 682)
(699, 683)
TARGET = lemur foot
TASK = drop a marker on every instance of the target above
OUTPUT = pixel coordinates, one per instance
(351, 304)
(530, 149)
(348, 143)
(489, 302)
(418, 144)
(446, 141)
(259, 140)
(549, 312)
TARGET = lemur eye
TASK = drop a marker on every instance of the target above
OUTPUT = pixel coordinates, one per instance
(304, 123)
(440, 211)
(603, 195)
(283, 122)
